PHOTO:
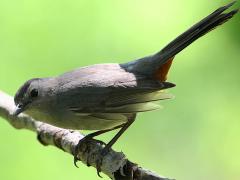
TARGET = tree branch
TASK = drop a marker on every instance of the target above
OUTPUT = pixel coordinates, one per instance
(115, 164)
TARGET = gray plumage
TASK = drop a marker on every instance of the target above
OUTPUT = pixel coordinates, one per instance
(94, 97)
(103, 96)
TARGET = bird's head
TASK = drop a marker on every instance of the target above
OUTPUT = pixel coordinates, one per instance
(28, 94)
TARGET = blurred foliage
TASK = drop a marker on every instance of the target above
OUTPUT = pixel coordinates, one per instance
(195, 136)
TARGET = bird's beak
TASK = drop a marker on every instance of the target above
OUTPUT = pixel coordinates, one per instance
(19, 109)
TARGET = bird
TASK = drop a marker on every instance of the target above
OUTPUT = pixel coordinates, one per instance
(105, 97)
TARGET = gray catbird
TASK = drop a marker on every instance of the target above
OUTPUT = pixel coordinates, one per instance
(108, 96)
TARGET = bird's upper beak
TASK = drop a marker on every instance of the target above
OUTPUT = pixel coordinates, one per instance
(19, 109)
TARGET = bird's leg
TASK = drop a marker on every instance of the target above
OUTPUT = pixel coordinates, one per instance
(110, 144)
(89, 137)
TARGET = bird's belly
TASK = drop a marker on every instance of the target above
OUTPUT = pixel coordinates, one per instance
(70, 120)
(92, 123)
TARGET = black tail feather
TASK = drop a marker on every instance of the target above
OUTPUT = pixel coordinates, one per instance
(201, 28)
(204, 21)
(149, 65)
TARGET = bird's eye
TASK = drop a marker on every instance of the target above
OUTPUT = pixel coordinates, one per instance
(34, 93)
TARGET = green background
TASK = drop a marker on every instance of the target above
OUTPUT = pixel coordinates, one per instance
(196, 135)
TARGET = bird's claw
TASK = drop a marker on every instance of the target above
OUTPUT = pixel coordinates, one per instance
(75, 160)
(98, 165)
(99, 157)
(78, 146)
(99, 160)
(87, 150)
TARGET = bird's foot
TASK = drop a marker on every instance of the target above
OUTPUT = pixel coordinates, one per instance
(86, 148)
(99, 160)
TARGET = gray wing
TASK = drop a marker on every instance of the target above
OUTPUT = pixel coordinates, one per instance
(108, 88)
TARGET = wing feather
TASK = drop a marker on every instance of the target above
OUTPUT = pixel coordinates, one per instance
(139, 98)
(133, 108)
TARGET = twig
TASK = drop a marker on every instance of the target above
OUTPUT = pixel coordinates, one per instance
(115, 164)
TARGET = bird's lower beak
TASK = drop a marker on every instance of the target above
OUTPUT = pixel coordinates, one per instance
(19, 109)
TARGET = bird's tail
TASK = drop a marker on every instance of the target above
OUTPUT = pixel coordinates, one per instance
(159, 64)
